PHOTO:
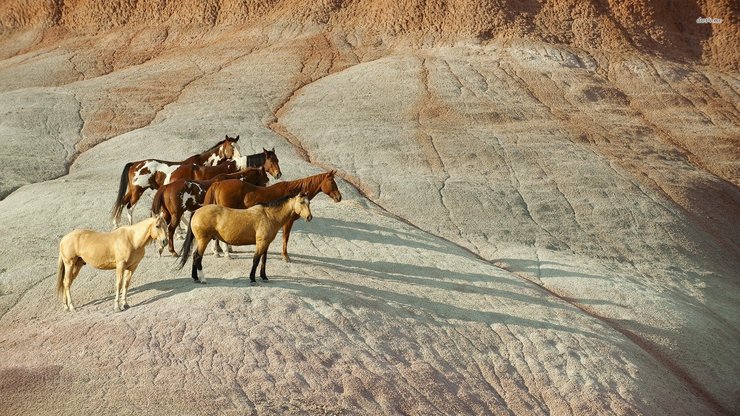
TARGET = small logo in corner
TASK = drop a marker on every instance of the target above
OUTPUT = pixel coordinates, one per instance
(708, 20)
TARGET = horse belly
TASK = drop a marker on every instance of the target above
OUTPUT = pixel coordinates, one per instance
(96, 250)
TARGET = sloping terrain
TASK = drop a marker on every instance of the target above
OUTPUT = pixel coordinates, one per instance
(535, 220)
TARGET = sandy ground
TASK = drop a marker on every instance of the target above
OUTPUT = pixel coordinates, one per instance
(526, 228)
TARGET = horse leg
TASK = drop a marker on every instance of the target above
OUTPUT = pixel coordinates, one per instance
(227, 253)
(216, 249)
(75, 270)
(255, 262)
(197, 272)
(286, 235)
(263, 275)
(68, 265)
(182, 227)
(127, 274)
(132, 203)
(119, 283)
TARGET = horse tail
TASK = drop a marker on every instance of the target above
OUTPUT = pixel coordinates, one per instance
(186, 245)
(123, 184)
(60, 275)
(157, 201)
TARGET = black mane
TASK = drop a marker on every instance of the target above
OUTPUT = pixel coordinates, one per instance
(276, 202)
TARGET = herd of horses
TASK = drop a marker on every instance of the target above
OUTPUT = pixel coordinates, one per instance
(230, 201)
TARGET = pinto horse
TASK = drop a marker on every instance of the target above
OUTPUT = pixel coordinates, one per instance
(243, 195)
(257, 225)
(121, 249)
(141, 175)
(173, 199)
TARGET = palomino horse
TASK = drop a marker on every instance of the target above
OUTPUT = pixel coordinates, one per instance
(173, 199)
(242, 195)
(139, 176)
(257, 225)
(121, 249)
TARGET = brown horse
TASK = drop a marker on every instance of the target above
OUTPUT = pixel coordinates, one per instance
(194, 172)
(173, 199)
(243, 195)
(257, 225)
(141, 175)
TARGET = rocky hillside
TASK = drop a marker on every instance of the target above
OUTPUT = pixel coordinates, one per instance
(541, 210)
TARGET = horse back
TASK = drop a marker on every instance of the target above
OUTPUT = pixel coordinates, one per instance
(95, 248)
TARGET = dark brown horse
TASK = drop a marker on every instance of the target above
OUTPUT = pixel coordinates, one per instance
(173, 199)
(268, 159)
(141, 175)
(243, 195)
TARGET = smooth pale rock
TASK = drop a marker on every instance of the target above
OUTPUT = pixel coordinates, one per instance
(526, 228)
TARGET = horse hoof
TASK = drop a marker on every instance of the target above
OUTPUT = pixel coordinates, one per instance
(286, 259)
(125, 306)
(174, 254)
(252, 283)
(265, 279)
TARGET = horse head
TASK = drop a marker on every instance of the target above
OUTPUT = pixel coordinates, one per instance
(271, 163)
(229, 149)
(158, 232)
(302, 206)
(329, 186)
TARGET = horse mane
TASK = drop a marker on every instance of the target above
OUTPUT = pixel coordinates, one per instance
(277, 202)
(256, 160)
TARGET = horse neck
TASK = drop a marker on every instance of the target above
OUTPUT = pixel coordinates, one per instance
(141, 233)
(311, 186)
(256, 160)
(280, 214)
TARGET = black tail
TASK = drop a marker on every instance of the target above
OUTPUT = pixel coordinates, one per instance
(157, 201)
(118, 205)
(187, 245)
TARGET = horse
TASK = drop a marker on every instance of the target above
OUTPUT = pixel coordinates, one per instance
(193, 172)
(121, 249)
(172, 200)
(257, 225)
(242, 195)
(141, 175)
(268, 159)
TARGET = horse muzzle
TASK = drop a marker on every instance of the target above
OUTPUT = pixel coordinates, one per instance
(309, 218)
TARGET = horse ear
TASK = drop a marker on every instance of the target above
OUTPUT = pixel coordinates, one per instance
(273, 149)
(264, 150)
(236, 139)
(332, 172)
(227, 137)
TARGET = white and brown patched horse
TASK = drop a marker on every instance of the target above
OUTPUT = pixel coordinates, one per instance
(257, 225)
(141, 175)
(121, 249)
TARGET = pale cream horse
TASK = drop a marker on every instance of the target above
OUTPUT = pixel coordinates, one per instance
(121, 249)
(257, 225)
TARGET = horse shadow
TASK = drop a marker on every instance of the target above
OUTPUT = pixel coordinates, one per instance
(350, 292)
(376, 234)
(173, 287)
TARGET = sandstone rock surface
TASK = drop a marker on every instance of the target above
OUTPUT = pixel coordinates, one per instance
(541, 210)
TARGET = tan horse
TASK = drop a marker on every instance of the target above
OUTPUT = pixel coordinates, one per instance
(257, 225)
(121, 249)
(238, 194)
